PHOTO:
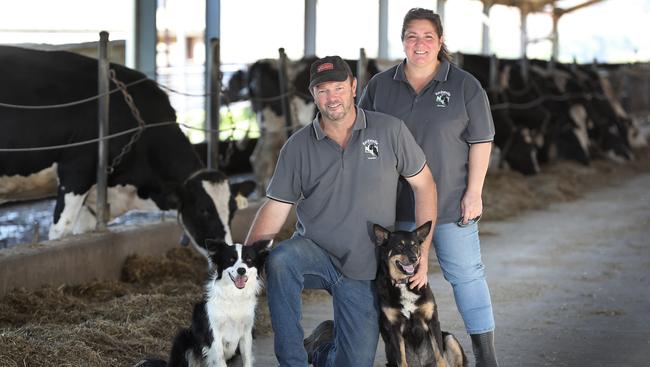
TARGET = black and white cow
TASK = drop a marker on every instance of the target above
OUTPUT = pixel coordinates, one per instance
(555, 118)
(554, 112)
(611, 131)
(515, 145)
(261, 84)
(161, 171)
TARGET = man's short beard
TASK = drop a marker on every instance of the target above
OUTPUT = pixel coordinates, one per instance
(333, 118)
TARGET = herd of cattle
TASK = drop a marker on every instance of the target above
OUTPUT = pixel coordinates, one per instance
(552, 111)
(549, 112)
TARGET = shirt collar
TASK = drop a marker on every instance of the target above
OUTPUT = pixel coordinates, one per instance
(441, 75)
(359, 123)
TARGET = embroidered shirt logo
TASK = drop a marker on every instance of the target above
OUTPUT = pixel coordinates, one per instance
(371, 149)
(442, 98)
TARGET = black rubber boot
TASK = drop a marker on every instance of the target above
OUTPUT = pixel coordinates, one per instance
(483, 346)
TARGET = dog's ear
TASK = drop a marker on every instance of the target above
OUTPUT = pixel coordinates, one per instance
(261, 249)
(381, 234)
(214, 246)
(262, 246)
(423, 231)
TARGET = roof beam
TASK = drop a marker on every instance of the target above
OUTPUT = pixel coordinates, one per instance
(574, 8)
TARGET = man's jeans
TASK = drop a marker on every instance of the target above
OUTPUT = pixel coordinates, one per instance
(299, 263)
(459, 254)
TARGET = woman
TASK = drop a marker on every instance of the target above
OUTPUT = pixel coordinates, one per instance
(449, 115)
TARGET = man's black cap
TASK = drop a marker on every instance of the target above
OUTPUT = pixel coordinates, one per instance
(328, 69)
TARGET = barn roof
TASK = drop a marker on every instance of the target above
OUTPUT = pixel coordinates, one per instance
(562, 6)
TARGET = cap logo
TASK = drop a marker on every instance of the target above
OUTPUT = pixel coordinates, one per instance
(325, 66)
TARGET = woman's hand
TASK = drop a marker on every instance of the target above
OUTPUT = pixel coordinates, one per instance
(471, 206)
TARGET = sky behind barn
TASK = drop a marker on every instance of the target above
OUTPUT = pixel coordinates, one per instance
(611, 31)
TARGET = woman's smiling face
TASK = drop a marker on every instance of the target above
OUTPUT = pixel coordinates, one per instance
(421, 43)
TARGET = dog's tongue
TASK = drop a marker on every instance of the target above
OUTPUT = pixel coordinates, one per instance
(240, 281)
(409, 268)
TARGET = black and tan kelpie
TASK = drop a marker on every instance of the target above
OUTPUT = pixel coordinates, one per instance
(409, 317)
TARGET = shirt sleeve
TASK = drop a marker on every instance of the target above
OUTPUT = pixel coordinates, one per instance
(285, 184)
(366, 101)
(480, 127)
(410, 157)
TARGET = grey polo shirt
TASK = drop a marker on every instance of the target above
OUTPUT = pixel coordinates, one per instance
(340, 193)
(448, 115)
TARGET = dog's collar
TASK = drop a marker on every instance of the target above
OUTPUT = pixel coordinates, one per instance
(403, 281)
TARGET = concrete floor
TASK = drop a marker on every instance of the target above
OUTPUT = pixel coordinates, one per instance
(570, 284)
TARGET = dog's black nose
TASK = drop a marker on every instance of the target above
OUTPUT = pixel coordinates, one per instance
(413, 259)
(241, 271)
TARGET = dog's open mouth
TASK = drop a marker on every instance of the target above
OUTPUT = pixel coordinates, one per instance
(408, 269)
(239, 280)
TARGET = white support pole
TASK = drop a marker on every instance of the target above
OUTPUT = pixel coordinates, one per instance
(524, 32)
(485, 44)
(555, 37)
(440, 9)
(146, 37)
(382, 49)
(212, 21)
(310, 28)
(212, 79)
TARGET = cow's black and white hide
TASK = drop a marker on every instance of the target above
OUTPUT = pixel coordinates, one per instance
(597, 134)
(611, 131)
(161, 171)
(635, 136)
(234, 155)
(515, 145)
(566, 135)
(263, 86)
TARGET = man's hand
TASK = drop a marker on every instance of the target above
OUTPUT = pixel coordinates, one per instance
(421, 277)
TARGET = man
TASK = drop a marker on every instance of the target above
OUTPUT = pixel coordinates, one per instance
(341, 172)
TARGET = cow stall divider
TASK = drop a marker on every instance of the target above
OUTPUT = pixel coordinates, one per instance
(284, 88)
(362, 75)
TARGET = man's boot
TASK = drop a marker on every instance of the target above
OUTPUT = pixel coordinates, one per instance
(322, 334)
(483, 346)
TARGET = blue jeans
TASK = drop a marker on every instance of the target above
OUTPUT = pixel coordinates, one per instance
(459, 254)
(299, 263)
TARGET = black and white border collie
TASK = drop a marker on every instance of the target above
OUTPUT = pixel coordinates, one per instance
(223, 322)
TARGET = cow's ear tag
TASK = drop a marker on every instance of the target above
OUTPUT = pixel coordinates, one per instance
(242, 202)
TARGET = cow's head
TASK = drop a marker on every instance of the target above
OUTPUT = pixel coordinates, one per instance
(516, 143)
(206, 205)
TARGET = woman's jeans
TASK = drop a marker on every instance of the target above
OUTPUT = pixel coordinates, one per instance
(459, 253)
(299, 263)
